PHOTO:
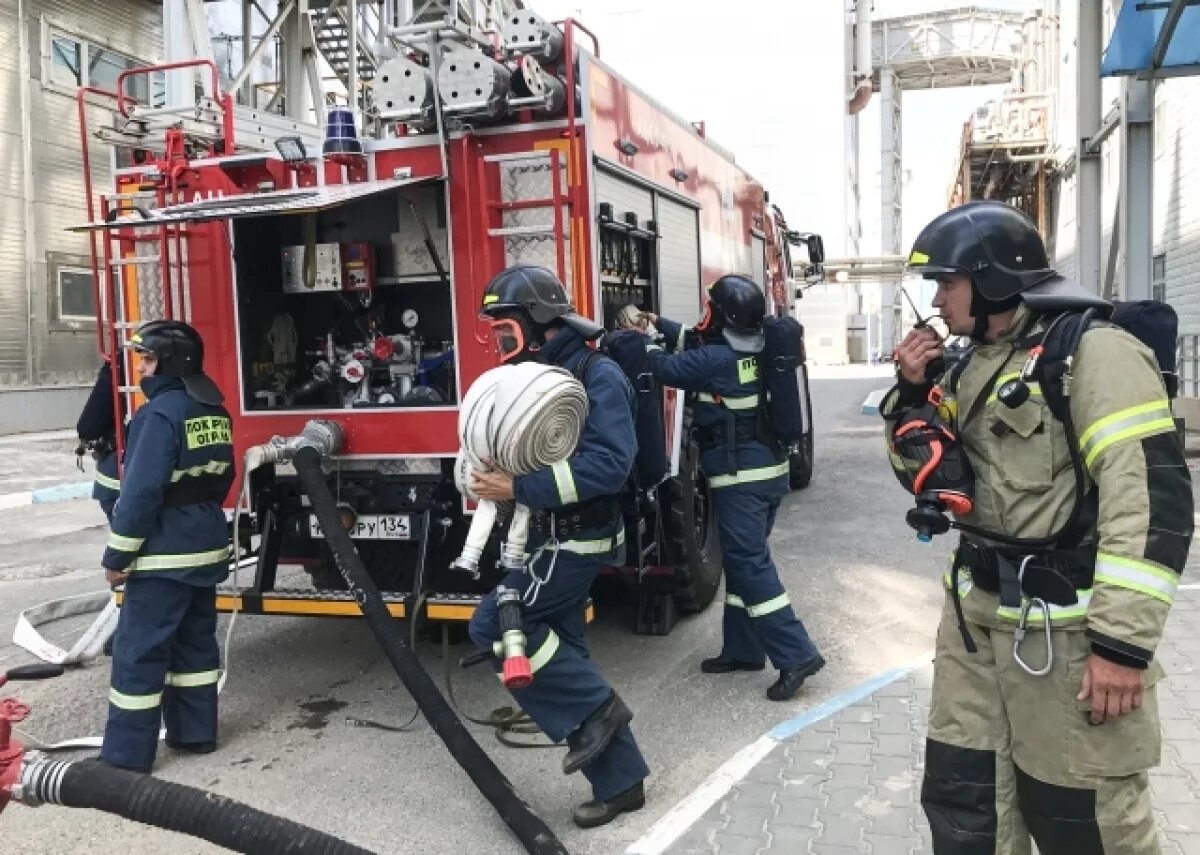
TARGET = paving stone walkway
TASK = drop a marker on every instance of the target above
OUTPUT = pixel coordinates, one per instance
(851, 783)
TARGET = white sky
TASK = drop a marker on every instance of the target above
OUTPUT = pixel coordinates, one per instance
(734, 61)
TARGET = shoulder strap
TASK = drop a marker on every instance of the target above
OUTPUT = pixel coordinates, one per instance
(584, 365)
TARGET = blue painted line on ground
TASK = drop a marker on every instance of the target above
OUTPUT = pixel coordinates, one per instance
(61, 492)
(838, 703)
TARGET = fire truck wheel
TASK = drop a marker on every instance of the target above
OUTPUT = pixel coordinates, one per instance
(800, 461)
(691, 532)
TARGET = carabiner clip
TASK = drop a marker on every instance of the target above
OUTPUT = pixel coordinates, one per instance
(1019, 636)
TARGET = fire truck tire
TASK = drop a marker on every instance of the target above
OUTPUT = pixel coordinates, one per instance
(800, 461)
(691, 533)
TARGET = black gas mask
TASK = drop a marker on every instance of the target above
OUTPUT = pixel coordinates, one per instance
(930, 462)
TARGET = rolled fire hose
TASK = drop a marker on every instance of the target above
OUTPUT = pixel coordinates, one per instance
(523, 418)
(175, 807)
(306, 451)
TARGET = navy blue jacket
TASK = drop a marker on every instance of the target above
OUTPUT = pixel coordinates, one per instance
(601, 462)
(96, 423)
(724, 384)
(178, 470)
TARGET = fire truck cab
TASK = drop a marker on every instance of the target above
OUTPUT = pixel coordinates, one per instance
(340, 276)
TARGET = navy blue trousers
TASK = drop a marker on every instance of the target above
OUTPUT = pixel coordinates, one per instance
(758, 621)
(164, 670)
(567, 686)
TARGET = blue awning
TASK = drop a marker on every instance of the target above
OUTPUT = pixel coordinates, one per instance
(1154, 38)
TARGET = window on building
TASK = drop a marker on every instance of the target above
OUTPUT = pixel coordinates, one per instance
(1158, 278)
(77, 62)
(76, 301)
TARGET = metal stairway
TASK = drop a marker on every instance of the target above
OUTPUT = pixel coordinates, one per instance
(331, 36)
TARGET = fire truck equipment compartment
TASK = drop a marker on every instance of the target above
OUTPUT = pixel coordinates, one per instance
(373, 321)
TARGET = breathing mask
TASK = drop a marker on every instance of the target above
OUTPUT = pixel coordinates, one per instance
(930, 462)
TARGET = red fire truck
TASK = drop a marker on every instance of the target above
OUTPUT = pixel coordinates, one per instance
(345, 284)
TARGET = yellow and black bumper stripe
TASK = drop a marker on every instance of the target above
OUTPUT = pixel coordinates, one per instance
(316, 606)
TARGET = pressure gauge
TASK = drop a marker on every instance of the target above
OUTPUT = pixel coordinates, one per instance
(409, 318)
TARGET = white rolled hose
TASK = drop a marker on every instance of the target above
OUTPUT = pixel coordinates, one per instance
(523, 418)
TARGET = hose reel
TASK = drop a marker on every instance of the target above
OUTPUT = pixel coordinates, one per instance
(523, 418)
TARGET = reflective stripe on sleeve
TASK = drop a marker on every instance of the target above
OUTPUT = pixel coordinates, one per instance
(124, 544)
(1140, 576)
(565, 482)
(1130, 423)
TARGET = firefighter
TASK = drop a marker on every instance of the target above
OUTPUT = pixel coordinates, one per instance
(1043, 731)
(747, 478)
(97, 432)
(169, 546)
(576, 510)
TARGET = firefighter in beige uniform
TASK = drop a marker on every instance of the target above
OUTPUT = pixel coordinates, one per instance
(1012, 751)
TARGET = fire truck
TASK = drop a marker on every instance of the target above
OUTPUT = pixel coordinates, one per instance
(339, 276)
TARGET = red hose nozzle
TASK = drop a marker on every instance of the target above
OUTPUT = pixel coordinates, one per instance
(517, 673)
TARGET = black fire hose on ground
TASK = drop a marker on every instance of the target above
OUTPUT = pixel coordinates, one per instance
(536, 836)
(175, 807)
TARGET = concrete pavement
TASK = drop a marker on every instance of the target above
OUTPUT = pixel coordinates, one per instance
(850, 782)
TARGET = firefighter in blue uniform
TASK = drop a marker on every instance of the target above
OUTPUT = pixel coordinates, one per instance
(97, 430)
(569, 697)
(747, 478)
(169, 546)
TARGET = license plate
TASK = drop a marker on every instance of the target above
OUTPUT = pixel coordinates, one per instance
(372, 527)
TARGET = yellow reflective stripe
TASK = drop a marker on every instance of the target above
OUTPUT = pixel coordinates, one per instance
(108, 483)
(134, 702)
(679, 342)
(544, 653)
(735, 601)
(1137, 576)
(593, 547)
(194, 679)
(124, 544)
(1057, 613)
(1035, 389)
(747, 476)
(1130, 423)
(565, 482)
(747, 402)
(180, 561)
(772, 605)
(212, 467)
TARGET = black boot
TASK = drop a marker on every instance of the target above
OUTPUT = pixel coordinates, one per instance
(591, 738)
(594, 813)
(721, 665)
(192, 747)
(790, 681)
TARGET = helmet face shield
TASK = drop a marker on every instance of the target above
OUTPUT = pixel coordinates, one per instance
(508, 338)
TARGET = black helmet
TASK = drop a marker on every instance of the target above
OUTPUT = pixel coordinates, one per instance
(993, 243)
(738, 304)
(534, 297)
(180, 353)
